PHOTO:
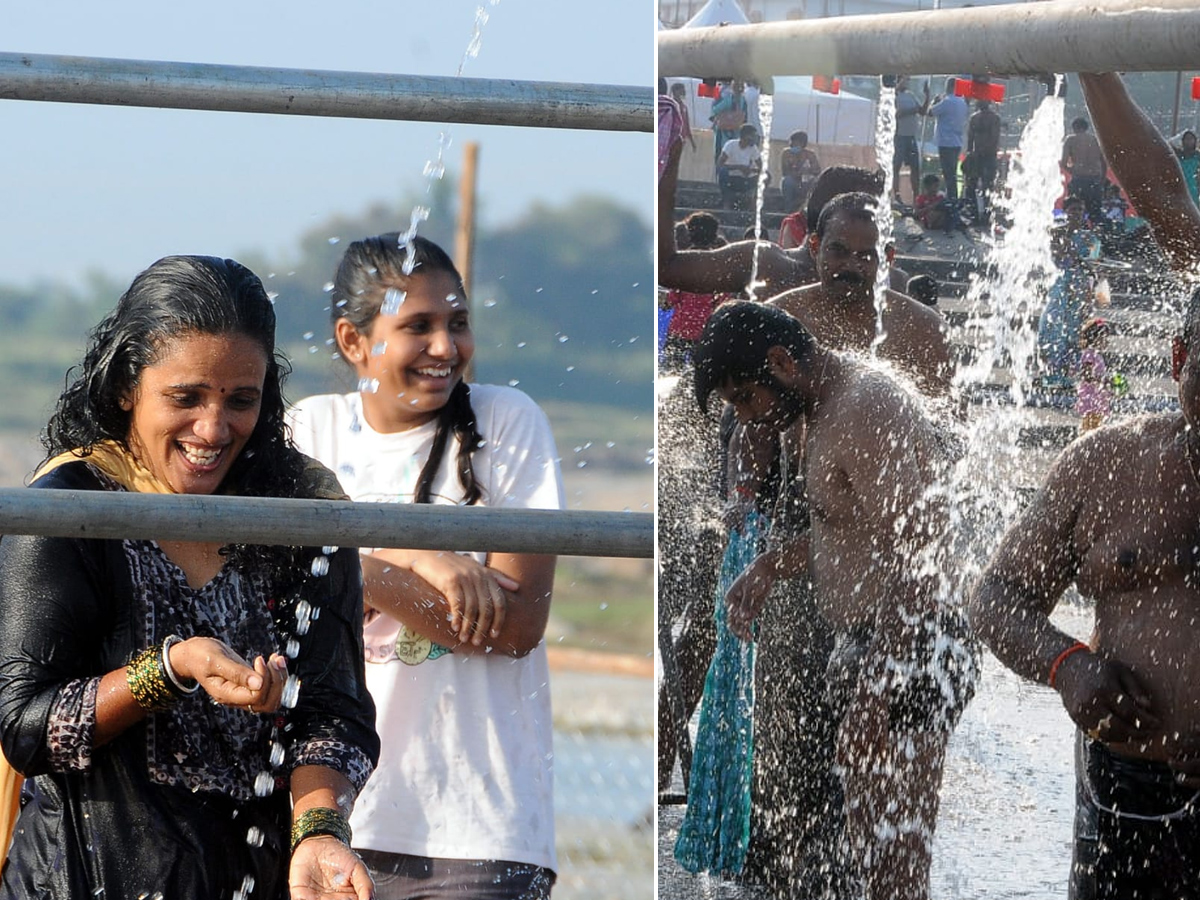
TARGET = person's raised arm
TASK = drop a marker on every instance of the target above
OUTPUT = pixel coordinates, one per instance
(1145, 166)
(726, 269)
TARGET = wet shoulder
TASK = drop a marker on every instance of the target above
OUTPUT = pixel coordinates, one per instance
(1121, 454)
(70, 476)
(916, 319)
(797, 302)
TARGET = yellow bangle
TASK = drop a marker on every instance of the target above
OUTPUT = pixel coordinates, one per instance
(320, 820)
(148, 681)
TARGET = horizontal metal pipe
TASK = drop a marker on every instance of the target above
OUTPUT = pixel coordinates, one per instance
(1019, 39)
(323, 523)
(301, 92)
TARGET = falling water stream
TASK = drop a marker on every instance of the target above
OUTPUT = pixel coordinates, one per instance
(885, 142)
(766, 112)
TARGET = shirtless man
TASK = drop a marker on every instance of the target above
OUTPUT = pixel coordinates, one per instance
(839, 310)
(1083, 159)
(729, 268)
(1146, 167)
(1117, 516)
(870, 453)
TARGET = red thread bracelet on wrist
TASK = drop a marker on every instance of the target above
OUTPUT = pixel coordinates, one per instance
(1062, 657)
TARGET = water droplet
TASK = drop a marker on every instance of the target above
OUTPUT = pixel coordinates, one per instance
(243, 893)
(276, 754)
(328, 286)
(562, 338)
(308, 335)
(254, 836)
(334, 240)
(291, 692)
(393, 299)
(520, 344)
(264, 784)
(292, 650)
(368, 385)
(489, 303)
(570, 368)
(513, 382)
(320, 565)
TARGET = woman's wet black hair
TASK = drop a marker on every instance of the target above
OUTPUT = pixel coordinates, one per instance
(176, 297)
(368, 268)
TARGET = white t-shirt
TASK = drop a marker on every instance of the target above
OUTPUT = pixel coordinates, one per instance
(465, 771)
(737, 155)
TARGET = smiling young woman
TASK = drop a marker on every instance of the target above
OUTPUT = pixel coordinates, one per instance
(453, 642)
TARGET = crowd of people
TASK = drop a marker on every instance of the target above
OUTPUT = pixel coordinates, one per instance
(833, 466)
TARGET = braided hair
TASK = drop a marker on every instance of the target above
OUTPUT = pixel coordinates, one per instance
(368, 269)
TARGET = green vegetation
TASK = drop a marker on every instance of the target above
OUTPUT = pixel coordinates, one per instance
(604, 605)
(562, 307)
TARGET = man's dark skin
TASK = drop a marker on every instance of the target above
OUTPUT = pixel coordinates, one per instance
(1117, 516)
(839, 310)
(728, 269)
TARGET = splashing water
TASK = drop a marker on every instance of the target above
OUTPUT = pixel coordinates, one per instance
(885, 142)
(291, 692)
(243, 893)
(476, 42)
(766, 111)
(264, 784)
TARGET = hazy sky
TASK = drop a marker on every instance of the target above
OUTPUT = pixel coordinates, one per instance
(96, 187)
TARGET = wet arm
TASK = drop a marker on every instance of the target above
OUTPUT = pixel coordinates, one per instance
(392, 588)
(1036, 561)
(725, 269)
(1146, 167)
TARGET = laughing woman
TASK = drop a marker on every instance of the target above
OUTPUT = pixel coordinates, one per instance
(461, 803)
(159, 761)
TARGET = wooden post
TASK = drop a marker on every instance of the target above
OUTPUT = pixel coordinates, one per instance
(464, 237)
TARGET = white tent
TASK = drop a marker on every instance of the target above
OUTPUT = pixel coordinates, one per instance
(714, 12)
(842, 118)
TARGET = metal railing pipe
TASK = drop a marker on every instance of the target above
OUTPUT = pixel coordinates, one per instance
(323, 523)
(302, 92)
(1018, 39)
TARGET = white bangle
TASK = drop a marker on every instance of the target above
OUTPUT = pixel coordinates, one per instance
(171, 641)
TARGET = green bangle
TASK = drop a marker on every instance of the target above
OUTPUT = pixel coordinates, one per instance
(320, 820)
(147, 681)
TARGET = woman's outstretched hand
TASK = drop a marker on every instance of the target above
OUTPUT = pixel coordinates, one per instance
(322, 866)
(229, 679)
